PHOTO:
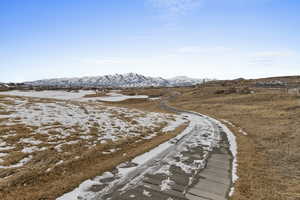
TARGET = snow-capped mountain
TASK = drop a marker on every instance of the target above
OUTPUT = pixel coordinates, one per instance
(117, 80)
(184, 81)
(4, 85)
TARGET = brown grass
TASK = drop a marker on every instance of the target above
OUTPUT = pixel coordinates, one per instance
(95, 95)
(269, 156)
(141, 104)
(151, 92)
(34, 180)
(32, 183)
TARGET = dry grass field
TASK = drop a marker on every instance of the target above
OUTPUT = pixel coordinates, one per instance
(48, 147)
(265, 122)
(151, 92)
(267, 126)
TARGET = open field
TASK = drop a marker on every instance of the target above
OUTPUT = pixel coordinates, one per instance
(151, 92)
(267, 127)
(265, 122)
(76, 95)
(49, 146)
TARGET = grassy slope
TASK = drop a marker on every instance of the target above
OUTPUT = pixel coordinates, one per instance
(269, 155)
(32, 182)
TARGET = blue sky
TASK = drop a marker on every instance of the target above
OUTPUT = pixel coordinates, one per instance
(198, 38)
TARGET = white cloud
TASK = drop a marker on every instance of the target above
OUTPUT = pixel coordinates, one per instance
(108, 61)
(269, 58)
(175, 7)
(172, 8)
(197, 61)
(203, 50)
(272, 54)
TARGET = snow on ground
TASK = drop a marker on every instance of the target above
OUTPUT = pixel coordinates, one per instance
(200, 132)
(18, 164)
(243, 132)
(74, 96)
(53, 94)
(231, 124)
(166, 184)
(115, 97)
(233, 149)
(228, 122)
(55, 125)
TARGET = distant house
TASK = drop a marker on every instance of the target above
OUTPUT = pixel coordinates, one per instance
(271, 84)
(4, 87)
(293, 91)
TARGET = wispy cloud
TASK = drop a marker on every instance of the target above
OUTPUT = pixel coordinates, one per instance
(203, 50)
(108, 61)
(174, 8)
(268, 58)
(273, 54)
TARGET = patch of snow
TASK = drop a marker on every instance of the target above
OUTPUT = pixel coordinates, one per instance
(86, 137)
(3, 154)
(81, 192)
(146, 193)
(30, 149)
(233, 148)
(150, 136)
(243, 132)
(59, 163)
(6, 148)
(166, 184)
(103, 142)
(2, 143)
(51, 94)
(74, 96)
(21, 163)
(155, 98)
(30, 141)
(231, 191)
(228, 122)
(115, 97)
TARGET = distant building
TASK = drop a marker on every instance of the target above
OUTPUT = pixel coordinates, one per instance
(274, 83)
(4, 87)
(293, 91)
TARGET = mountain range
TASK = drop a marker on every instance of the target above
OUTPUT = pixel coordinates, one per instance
(118, 80)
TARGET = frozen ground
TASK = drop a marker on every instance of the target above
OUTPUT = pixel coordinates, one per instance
(74, 96)
(161, 163)
(56, 94)
(29, 126)
(115, 97)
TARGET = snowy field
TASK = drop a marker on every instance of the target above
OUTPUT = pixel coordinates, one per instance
(31, 126)
(200, 134)
(74, 96)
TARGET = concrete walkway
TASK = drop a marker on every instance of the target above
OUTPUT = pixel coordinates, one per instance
(214, 181)
(191, 169)
(211, 182)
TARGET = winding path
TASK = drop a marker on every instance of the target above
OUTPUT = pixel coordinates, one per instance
(196, 167)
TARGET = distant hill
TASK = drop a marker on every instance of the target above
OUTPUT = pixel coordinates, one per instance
(117, 80)
(185, 81)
